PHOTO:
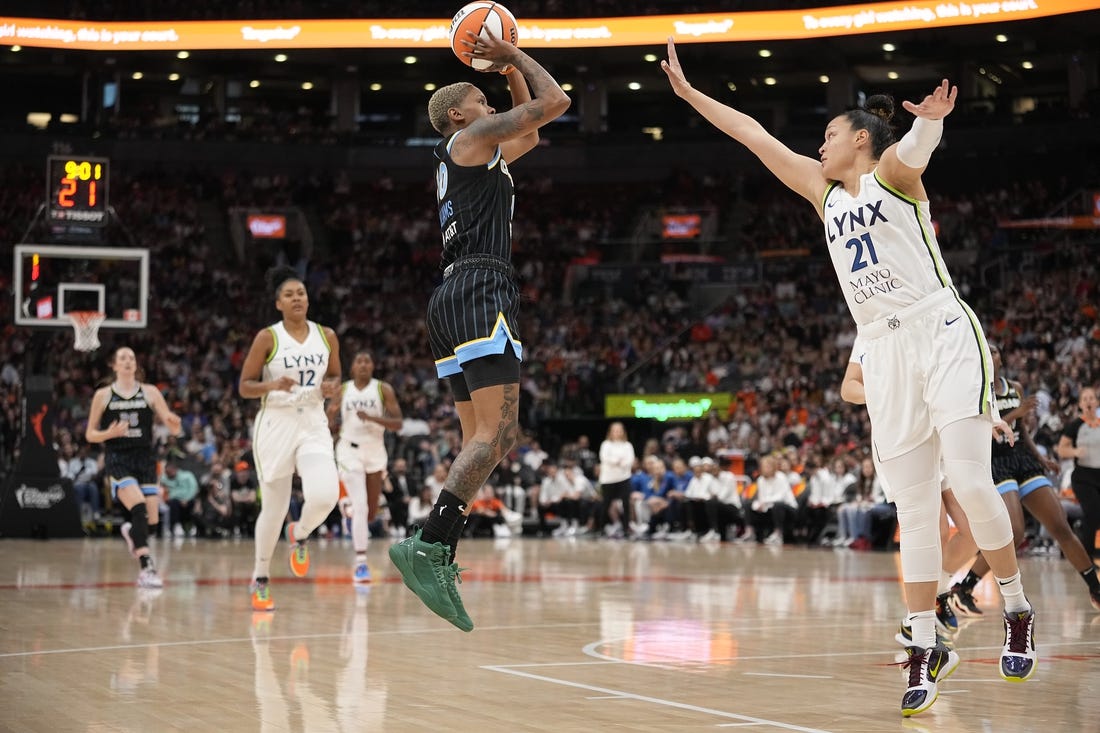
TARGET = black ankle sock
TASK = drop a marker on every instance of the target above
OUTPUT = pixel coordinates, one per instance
(146, 562)
(448, 512)
(970, 580)
(1091, 580)
(455, 536)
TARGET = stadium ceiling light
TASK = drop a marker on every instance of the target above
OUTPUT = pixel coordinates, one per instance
(731, 86)
(307, 85)
(650, 57)
(764, 53)
(1028, 65)
(769, 81)
(183, 54)
(889, 47)
(429, 87)
(173, 76)
(1001, 38)
(567, 87)
(376, 87)
(136, 75)
(280, 58)
(824, 78)
(16, 48)
(254, 83)
(634, 86)
(891, 75)
(410, 59)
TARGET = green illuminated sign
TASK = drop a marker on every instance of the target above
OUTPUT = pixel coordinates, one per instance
(662, 407)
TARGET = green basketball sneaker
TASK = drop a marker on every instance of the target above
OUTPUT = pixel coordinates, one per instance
(425, 571)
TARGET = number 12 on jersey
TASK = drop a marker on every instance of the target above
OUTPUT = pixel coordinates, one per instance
(307, 378)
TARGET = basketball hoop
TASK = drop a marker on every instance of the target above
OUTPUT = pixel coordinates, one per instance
(86, 327)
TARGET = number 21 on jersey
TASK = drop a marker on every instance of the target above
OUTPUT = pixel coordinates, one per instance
(861, 258)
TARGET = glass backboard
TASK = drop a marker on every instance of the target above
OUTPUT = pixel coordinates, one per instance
(50, 281)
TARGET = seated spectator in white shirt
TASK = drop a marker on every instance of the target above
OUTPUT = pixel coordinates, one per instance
(774, 505)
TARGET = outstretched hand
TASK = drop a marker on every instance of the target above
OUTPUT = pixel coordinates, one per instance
(936, 105)
(671, 67)
(488, 47)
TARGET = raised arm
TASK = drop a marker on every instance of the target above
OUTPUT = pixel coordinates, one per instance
(517, 147)
(478, 142)
(903, 163)
(799, 173)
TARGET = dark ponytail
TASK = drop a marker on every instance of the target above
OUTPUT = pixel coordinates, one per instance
(874, 117)
(278, 275)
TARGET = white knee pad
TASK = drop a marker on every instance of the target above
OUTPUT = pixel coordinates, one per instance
(320, 481)
(985, 509)
(966, 448)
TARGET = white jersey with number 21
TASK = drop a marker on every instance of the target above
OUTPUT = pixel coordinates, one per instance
(883, 248)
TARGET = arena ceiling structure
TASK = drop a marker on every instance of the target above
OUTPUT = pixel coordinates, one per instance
(1021, 57)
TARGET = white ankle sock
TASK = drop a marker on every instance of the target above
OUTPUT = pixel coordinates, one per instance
(1012, 590)
(923, 624)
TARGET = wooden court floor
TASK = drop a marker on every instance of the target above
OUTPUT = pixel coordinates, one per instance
(572, 635)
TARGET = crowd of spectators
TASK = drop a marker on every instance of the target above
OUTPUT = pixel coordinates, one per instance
(779, 346)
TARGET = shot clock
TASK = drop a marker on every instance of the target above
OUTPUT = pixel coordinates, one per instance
(77, 190)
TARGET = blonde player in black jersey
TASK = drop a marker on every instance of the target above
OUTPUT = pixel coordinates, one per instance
(121, 417)
(926, 368)
(472, 314)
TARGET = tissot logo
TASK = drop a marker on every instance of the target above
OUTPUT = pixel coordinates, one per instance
(32, 497)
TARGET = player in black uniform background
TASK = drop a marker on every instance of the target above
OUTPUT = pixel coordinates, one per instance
(1020, 475)
(472, 314)
(121, 417)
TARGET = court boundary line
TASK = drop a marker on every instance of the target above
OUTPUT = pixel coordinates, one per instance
(623, 695)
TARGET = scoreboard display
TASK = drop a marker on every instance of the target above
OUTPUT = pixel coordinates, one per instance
(77, 189)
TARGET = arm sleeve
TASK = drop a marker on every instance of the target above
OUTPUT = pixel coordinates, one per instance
(916, 146)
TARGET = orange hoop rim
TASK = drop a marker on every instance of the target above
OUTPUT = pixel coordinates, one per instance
(86, 318)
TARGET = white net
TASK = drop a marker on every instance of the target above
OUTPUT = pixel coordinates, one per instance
(86, 327)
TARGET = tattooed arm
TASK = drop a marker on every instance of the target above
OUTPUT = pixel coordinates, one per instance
(519, 126)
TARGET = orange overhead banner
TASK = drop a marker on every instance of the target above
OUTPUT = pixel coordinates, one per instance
(553, 33)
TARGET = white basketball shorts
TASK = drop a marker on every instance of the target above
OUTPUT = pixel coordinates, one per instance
(924, 367)
(281, 435)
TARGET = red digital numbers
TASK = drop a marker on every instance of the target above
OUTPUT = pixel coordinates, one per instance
(65, 193)
(79, 189)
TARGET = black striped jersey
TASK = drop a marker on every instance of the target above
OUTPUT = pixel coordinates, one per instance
(136, 412)
(1007, 399)
(475, 206)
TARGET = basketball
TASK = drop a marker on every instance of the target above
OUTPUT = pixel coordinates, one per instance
(476, 17)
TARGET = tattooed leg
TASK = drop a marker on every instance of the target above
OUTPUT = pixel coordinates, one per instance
(496, 428)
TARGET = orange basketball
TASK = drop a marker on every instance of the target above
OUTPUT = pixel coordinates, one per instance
(476, 17)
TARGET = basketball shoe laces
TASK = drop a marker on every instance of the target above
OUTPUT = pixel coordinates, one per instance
(916, 664)
(1017, 633)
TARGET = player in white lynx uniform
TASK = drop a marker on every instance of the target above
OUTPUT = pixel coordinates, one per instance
(367, 408)
(292, 366)
(927, 368)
